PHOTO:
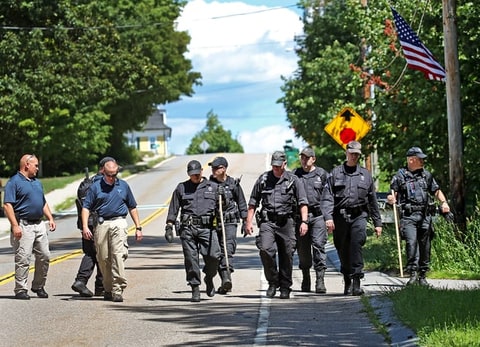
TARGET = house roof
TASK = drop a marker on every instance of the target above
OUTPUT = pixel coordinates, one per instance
(156, 121)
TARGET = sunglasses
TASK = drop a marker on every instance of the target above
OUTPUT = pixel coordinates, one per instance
(111, 175)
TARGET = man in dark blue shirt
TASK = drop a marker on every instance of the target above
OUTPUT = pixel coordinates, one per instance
(24, 206)
(89, 260)
(112, 200)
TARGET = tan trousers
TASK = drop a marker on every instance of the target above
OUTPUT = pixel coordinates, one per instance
(34, 240)
(112, 251)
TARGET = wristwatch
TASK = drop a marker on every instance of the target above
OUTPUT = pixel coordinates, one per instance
(139, 228)
(305, 221)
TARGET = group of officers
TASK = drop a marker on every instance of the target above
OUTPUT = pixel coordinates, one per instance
(293, 210)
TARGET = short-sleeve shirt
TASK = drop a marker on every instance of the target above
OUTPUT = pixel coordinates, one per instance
(26, 196)
(110, 200)
(281, 196)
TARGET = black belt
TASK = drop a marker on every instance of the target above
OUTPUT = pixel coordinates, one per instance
(353, 212)
(274, 217)
(114, 218)
(202, 221)
(315, 211)
(30, 221)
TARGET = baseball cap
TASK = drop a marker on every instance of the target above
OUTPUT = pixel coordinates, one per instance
(278, 158)
(218, 161)
(354, 147)
(416, 152)
(308, 152)
(105, 160)
(194, 168)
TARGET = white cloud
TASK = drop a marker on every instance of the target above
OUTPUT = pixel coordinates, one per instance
(233, 41)
(268, 139)
(241, 50)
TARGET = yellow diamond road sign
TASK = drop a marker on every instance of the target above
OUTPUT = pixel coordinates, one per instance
(347, 126)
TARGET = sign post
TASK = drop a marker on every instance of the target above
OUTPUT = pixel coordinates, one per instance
(204, 146)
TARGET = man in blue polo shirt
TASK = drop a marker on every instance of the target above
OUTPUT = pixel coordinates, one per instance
(112, 199)
(24, 206)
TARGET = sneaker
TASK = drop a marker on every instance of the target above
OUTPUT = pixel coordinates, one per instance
(272, 289)
(22, 296)
(284, 293)
(81, 288)
(117, 298)
(41, 293)
(107, 296)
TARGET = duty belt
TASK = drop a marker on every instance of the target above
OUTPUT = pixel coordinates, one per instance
(315, 211)
(202, 221)
(353, 212)
(277, 218)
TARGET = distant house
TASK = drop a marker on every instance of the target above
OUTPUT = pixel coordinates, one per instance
(154, 135)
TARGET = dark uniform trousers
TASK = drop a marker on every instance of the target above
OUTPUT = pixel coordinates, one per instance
(349, 236)
(315, 239)
(416, 231)
(88, 263)
(231, 238)
(277, 237)
(195, 241)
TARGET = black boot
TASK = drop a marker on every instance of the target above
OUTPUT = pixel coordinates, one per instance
(357, 290)
(210, 290)
(306, 282)
(422, 280)
(348, 285)
(195, 294)
(413, 278)
(320, 283)
(226, 282)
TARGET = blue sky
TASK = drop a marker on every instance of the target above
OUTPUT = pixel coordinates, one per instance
(241, 48)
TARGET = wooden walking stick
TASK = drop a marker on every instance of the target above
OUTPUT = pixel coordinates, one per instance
(395, 216)
(224, 236)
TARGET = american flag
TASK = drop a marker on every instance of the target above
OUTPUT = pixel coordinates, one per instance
(417, 55)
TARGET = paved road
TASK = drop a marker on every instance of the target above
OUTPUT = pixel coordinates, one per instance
(157, 310)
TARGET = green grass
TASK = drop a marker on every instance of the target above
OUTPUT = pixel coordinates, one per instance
(439, 317)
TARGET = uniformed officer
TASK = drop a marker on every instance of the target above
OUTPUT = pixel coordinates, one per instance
(348, 199)
(413, 188)
(313, 179)
(235, 211)
(112, 199)
(280, 193)
(25, 206)
(197, 201)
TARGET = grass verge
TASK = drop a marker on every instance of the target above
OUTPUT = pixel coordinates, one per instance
(439, 317)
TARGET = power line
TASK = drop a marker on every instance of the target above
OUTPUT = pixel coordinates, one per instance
(133, 26)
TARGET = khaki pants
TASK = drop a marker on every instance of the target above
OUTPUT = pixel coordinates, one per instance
(34, 240)
(112, 251)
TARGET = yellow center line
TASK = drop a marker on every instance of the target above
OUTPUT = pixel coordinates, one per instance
(11, 276)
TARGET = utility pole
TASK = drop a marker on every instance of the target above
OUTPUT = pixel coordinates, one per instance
(455, 134)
